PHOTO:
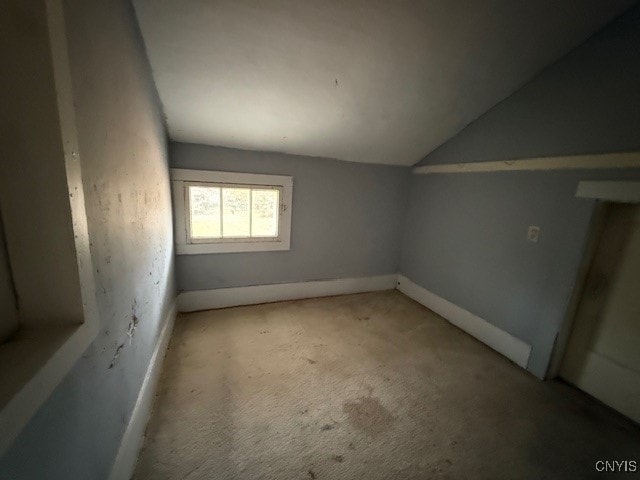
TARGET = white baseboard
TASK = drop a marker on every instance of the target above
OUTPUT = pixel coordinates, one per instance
(502, 342)
(125, 461)
(193, 301)
(506, 344)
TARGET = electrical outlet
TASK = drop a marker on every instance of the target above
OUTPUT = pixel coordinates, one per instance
(533, 234)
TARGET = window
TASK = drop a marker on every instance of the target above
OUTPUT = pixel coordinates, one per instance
(219, 212)
(223, 212)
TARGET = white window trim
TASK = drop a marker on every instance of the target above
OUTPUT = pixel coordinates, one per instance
(182, 177)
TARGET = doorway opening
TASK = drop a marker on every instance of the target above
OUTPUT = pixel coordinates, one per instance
(602, 356)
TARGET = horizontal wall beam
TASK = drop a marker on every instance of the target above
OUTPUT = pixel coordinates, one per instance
(572, 162)
(624, 192)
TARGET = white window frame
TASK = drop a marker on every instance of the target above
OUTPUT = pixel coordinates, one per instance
(181, 179)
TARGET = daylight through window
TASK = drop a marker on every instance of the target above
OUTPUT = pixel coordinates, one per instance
(227, 212)
(232, 212)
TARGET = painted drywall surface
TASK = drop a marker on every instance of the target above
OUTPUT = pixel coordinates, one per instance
(346, 222)
(76, 434)
(33, 183)
(360, 80)
(466, 240)
(588, 102)
(8, 305)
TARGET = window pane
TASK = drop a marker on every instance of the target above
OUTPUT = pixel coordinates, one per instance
(235, 212)
(204, 206)
(264, 213)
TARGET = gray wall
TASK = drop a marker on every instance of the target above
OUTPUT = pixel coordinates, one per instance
(465, 236)
(346, 222)
(124, 164)
(466, 241)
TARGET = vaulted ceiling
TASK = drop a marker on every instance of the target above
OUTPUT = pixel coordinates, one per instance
(379, 81)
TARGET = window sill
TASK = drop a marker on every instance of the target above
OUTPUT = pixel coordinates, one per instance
(236, 247)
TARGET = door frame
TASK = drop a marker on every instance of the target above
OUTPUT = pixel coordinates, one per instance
(602, 192)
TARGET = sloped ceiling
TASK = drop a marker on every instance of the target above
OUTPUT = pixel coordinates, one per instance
(360, 80)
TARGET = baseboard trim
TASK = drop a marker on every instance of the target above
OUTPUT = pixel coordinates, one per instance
(193, 301)
(502, 342)
(125, 462)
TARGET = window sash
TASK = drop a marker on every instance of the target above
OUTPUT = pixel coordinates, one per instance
(236, 239)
